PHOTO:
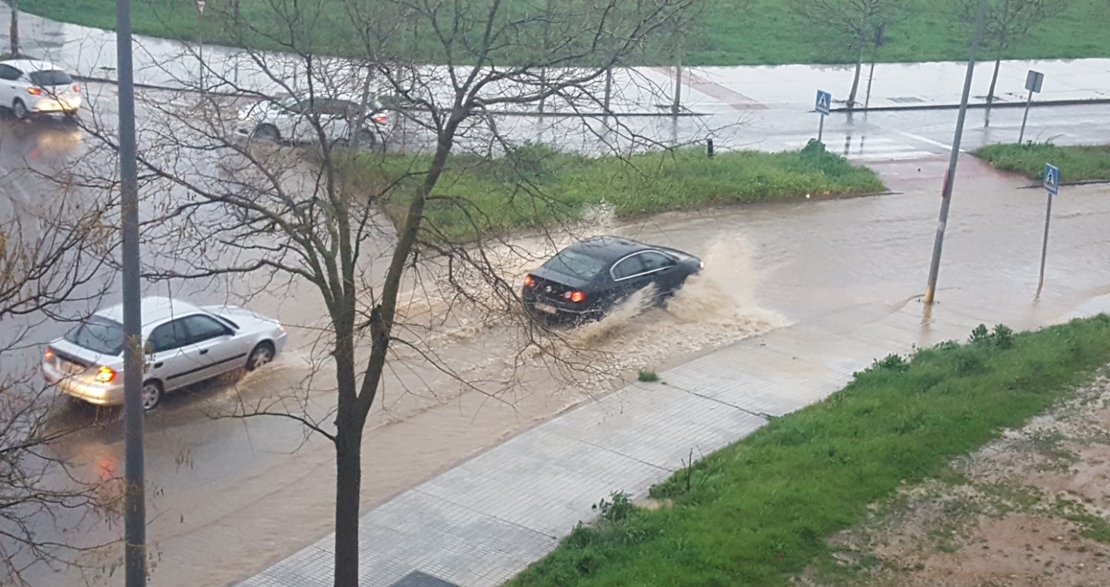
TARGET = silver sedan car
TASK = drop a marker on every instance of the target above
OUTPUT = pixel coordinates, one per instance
(183, 344)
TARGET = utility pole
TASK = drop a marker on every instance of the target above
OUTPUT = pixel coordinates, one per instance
(134, 514)
(13, 33)
(950, 175)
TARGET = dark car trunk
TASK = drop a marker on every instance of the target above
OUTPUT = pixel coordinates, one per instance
(549, 288)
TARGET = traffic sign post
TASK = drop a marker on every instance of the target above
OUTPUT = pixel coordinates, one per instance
(1033, 82)
(200, 44)
(1052, 186)
(822, 106)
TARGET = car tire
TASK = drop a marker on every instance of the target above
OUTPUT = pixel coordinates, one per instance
(262, 354)
(367, 139)
(19, 110)
(267, 132)
(152, 395)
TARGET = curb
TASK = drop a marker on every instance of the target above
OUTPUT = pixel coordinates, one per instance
(685, 114)
(978, 105)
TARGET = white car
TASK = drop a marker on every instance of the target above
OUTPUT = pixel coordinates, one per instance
(29, 87)
(291, 119)
(183, 344)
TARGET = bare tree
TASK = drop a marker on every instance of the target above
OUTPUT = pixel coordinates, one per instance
(852, 26)
(365, 228)
(1005, 23)
(51, 265)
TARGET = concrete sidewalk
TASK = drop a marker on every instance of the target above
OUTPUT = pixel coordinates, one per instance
(480, 523)
(642, 90)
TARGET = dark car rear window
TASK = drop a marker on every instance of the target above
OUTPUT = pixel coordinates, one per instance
(53, 77)
(99, 335)
(574, 263)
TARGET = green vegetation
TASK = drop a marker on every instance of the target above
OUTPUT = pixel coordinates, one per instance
(765, 33)
(645, 376)
(1076, 163)
(759, 511)
(534, 186)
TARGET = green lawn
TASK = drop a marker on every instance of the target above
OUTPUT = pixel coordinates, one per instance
(764, 34)
(1076, 163)
(536, 186)
(759, 511)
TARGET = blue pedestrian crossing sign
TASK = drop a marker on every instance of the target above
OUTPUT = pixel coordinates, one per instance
(1051, 178)
(824, 102)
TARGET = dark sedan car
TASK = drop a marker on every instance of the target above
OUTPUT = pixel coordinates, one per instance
(586, 279)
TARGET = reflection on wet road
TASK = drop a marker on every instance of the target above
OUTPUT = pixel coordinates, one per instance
(239, 493)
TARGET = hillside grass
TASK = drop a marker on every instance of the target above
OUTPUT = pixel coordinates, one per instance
(765, 34)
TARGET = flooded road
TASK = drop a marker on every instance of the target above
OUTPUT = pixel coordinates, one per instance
(239, 493)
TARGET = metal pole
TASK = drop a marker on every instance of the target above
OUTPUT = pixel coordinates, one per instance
(950, 175)
(821, 130)
(1028, 102)
(135, 490)
(1044, 247)
(200, 53)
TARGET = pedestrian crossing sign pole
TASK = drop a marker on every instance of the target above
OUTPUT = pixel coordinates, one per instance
(1052, 186)
(822, 107)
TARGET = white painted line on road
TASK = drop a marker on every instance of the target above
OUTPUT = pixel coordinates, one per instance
(928, 141)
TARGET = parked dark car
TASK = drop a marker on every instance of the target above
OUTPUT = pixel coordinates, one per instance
(585, 280)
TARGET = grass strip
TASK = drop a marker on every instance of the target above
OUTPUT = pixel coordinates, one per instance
(535, 186)
(1076, 164)
(758, 512)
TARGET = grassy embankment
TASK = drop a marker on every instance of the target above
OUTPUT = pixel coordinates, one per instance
(759, 511)
(766, 33)
(536, 187)
(1077, 164)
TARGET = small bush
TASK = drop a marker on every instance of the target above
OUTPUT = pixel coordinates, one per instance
(647, 376)
(618, 507)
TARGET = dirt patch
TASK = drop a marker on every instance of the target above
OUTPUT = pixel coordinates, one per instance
(1029, 509)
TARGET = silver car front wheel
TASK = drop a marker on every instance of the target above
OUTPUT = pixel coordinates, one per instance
(261, 355)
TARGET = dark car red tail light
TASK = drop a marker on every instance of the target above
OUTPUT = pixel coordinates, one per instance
(574, 296)
(529, 281)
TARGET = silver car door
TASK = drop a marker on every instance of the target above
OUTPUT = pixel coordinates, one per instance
(166, 359)
(216, 348)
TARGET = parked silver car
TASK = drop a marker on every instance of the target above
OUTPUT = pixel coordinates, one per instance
(294, 119)
(183, 344)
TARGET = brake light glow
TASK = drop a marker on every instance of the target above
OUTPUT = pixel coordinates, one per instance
(574, 296)
(34, 91)
(380, 118)
(105, 375)
(529, 282)
(48, 355)
(76, 88)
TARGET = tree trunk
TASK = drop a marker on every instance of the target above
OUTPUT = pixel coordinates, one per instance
(14, 32)
(855, 81)
(348, 486)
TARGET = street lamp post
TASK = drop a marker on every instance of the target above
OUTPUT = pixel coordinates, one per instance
(134, 515)
(950, 175)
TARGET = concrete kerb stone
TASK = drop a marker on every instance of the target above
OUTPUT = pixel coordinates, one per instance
(684, 114)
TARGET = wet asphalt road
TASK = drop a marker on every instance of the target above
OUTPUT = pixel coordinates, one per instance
(238, 493)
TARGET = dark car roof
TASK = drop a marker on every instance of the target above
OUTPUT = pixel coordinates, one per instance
(608, 248)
